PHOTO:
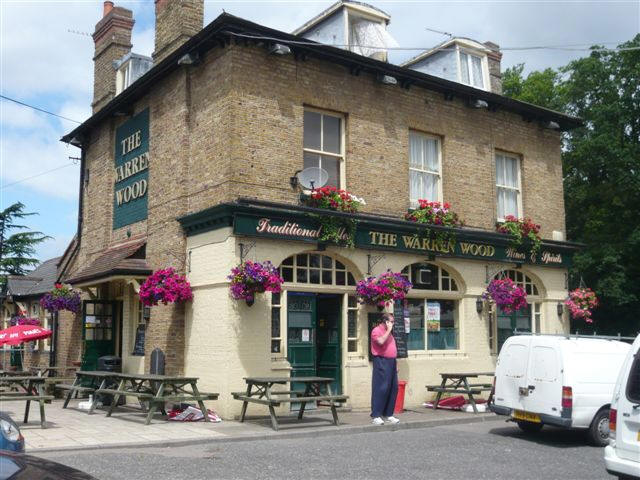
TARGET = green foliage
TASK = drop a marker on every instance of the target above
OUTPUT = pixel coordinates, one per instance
(17, 250)
(601, 165)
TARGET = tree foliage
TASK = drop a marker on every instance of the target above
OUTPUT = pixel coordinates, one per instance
(601, 165)
(17, 250)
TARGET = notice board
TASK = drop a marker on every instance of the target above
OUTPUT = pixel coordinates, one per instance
(399, 333)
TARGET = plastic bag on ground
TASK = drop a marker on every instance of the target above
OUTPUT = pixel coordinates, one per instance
(192, 414)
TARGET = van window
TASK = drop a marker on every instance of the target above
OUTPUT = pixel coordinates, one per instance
(516, 360)
(545, 364)
(633, 385)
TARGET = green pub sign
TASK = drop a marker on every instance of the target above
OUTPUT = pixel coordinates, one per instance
(131, 176)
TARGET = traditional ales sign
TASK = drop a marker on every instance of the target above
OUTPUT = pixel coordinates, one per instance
(131, 173)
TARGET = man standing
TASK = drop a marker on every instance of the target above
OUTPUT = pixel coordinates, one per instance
(384, 384)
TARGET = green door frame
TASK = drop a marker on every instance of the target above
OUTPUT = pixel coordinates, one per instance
(104, 315)
(512, 318)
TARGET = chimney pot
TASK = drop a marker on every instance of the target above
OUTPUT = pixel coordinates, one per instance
(108, 6)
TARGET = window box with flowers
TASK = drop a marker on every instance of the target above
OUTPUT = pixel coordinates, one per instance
(581, 302)
(165, 286)
(383, 290)
(506, 294)
(435, 213)
(62, 297)
(250, 278)
(523, 232)
(338, 230)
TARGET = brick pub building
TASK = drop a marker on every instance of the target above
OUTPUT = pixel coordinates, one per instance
(188, 162)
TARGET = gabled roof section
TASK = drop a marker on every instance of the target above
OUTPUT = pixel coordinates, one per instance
(357, 6)
(225, 28)
(121, 260)
(37, 282)
(446, 45)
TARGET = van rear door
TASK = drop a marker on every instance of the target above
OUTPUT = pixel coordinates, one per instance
(511, 372)
(628, 425)
(544, 378)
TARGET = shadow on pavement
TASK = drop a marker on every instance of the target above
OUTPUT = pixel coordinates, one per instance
(548, 436)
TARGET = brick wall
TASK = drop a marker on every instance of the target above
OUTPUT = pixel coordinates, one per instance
(176, 22)
(232, 127)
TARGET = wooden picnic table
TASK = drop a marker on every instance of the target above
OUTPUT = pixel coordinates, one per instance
(50, 371)
(32, 390)
(157, 390)
(459, 383)
(15, 373)
(88, 381)
(316, 389)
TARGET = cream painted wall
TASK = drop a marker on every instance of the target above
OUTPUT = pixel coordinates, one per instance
(130, 363)
(226, 340)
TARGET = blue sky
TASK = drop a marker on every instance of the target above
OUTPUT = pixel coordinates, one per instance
(46, 60)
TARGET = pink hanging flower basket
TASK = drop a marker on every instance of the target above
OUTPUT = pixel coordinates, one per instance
(383, 290)
(581, 302)
(508, 296)
(250, 278)
(165, 286)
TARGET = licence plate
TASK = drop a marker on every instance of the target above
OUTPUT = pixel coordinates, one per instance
(529, 417)
(639, 435)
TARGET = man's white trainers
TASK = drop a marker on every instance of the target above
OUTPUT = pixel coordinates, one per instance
(377, 421)
(392, 420)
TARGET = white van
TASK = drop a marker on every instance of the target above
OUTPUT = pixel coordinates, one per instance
(622, 455)
(566, 381)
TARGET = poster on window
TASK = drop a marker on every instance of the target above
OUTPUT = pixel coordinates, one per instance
(433, 316)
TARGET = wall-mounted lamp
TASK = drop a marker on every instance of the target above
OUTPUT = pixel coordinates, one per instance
(479, 304)
(560, 308)
(294, 181)
(189, 59)
(477, 103)
(279, 49)
(551, 125)
(387, 79)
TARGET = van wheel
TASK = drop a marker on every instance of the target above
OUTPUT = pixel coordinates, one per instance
(599, 430)
(529, 427)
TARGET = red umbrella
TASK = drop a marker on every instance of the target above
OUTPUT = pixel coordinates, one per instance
(23, 333)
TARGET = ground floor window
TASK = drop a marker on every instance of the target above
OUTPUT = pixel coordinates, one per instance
(276, 339)
(434, 323)
(525, 320)
(352, 324)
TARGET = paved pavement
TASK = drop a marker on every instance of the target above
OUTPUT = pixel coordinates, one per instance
(72, 429)
(481, 450)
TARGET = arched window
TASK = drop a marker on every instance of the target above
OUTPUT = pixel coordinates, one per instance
(521, 280)
(315, 269)
(427, 276)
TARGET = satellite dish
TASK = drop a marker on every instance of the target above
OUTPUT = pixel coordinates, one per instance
(313, 177)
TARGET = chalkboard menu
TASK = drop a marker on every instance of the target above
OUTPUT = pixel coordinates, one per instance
(398, 332)
(138, 346)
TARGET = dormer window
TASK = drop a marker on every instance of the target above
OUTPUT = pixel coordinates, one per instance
(130, 68)
(471, 69)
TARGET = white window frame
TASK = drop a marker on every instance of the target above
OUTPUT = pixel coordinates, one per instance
(518, 189)
(414, 202)
(341, 156)
(281, 339)
(355, 339)
(485, 67)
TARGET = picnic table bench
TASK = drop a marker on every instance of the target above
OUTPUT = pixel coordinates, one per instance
(87, 382)
(32, 390)
(459, 383)
(156, 390)
(317, 389)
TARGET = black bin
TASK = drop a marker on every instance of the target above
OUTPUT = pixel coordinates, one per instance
(110, 363)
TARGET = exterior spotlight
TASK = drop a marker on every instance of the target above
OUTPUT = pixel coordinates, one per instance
(479, 304)
(560, 307)
(551, 125)
(477, 103)
(189, 59)
(387, 79)
(279, 49)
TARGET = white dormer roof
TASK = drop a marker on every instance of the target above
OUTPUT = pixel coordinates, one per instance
(446, 45)
(356, 7)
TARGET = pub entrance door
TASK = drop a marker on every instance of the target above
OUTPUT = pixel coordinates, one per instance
(511, 323)
(313, 336)
(98, 331)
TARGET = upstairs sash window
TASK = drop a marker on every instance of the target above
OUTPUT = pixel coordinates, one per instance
(324, 144)
(471, 70)
(508, 186)
(424, 168)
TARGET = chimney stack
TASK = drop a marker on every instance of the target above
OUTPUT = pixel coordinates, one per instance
(176, 22)
(112, 39)
(495, 73)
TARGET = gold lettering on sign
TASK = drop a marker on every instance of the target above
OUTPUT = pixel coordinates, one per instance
(383, 239)
(513, 253)
(131, 167)
(477, 249)
(548, 257)
(415, 242)
(131, 142)
(131, 192)
(293, 229)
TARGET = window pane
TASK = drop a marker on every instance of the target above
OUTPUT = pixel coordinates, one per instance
(340, 278)
(431, 155)
(311, 160)
(499, 170)
(331, 134)
(327, 262)
(275, 322)
(633, 384)
(314, 261)
(340, 265)
(314, 276)
(464, 68)
(352, 302)
(312, 130)
(288, 261)
(501, 201)
(511, 172)
(415, 185)
(415, 339)
(275, 346)
(287, 274)
(301, 275)
(332, 166)
(511, 202)
(446, 338)
(476, 65)
(351, 280)
(327, 277)
(353, 346)
(301, 260)
(352, 326)
(275, 299)
(416, 152)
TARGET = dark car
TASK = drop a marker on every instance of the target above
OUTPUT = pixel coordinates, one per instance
(10, 436)
(18, 466)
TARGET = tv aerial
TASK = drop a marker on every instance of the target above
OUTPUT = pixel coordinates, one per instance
(313, 177)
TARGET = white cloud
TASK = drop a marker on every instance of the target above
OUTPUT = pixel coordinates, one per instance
(53, 247)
